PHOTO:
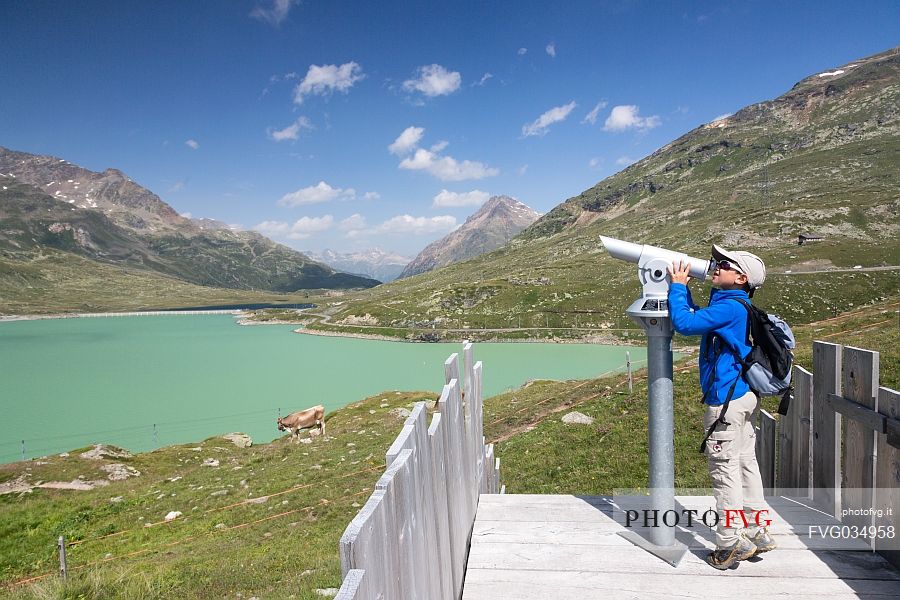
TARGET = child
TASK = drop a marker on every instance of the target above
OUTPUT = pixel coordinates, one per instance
(731, 445)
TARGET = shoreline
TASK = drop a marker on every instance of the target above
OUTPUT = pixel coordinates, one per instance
(242, 319)
(142, 313)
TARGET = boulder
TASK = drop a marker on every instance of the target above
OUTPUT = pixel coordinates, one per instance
(400, 413)
(119, 472)
(101, 451)
(577, 418)
(241, 440)
(172, 515)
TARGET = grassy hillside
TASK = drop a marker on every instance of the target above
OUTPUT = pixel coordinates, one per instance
(52, 282)
(85, 243)
(266, 520)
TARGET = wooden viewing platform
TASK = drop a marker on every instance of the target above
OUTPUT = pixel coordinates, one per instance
(436, 529)
(527, 547)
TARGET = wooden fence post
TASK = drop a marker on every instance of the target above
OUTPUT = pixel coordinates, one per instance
(63, 570)
(765, 449)
(794, 458)
(630, 379)
(860, 383)
(826, 428)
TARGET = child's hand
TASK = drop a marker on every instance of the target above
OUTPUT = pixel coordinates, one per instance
(680, 273)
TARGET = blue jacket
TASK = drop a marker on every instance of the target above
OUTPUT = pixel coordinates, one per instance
(724, 318)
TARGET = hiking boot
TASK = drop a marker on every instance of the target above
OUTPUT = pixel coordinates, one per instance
(725, 558)
(763, 541)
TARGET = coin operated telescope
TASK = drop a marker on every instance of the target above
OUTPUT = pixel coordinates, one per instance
(651, 312)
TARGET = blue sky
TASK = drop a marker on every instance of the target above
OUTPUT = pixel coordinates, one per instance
(348, 125)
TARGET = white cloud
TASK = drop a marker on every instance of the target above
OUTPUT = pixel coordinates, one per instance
(446, 198)
(355, 222)
(542, 123)
(484, 79)
(324, 79)
(434, 80)
(272, 228)
(595, 162)
(407, 224)
(522, 51)
(306, 227)
(627, 117)
(192, 144)
(291, 132)
(591, 117)
(315, 194)
(446, 168)
(522, 170)
(551, 49)
(371, 196)
(407, 140)
(624, 161)
(274, 14)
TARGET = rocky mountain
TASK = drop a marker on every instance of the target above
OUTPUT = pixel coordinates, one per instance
(49, 204)
(374, 262)
(823, 158)
(493, 225)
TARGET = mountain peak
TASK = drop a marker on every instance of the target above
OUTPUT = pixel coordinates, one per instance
(492, 226)
(108, 218)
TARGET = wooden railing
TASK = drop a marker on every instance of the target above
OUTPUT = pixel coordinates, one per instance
(838, 405)
(411, 538)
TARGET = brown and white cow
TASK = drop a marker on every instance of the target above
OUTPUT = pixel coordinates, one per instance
(303, 419)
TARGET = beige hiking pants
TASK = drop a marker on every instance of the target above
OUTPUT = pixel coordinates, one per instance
(737, 485)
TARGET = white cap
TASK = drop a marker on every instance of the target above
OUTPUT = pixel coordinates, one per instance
(749, 264)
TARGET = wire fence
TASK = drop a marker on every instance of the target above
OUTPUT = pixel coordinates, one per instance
(152, 435)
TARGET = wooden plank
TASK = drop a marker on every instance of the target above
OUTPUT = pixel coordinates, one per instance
(468, 401)
(451, 368)
(574, 559)
(444, 565)
(826, 428)
(540, 585)
(398, 480)
(794, 437)
(354, 587)
(803, 398)
(765, 450)
(858, 414)
(786, 468)
(366, 543)
(455, 475)
(421, 506)
(478, 421)
(606, 534)
(860, 384)
(887, 477)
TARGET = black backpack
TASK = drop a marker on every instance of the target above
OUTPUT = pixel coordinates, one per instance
(767, 367)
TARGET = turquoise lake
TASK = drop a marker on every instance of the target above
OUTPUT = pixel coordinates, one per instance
(67, 383)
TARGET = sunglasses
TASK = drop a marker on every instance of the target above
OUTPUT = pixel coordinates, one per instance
(726, 265)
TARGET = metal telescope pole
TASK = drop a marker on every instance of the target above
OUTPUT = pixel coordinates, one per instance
(651, 312)
(661, 425)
